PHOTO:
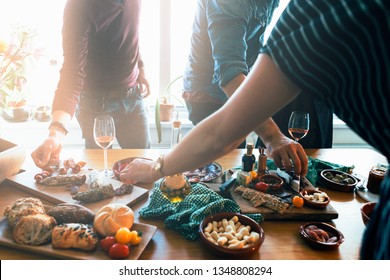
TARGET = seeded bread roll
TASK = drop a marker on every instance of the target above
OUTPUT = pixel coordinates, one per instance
(23, 207)
(34, 229)
(71, 213)
(74, 235)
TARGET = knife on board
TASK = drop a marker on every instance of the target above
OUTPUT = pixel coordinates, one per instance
(292, 180)
(229, 182)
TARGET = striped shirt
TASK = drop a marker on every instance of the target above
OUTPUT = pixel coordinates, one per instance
(336, 51)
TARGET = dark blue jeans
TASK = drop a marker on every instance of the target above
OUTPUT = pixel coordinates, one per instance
(129, 113)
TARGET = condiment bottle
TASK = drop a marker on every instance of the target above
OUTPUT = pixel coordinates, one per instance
(248, 159)
(176, 131)
(262, 162)
(175, 187)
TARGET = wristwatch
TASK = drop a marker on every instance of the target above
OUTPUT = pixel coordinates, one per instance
(159, 165)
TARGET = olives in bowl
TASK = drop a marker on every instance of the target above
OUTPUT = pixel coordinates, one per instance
(337, 180)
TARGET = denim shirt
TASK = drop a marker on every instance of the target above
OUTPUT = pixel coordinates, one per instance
(226, 39)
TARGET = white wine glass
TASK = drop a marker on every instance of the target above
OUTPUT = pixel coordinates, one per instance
(104, 134)
(298, 125)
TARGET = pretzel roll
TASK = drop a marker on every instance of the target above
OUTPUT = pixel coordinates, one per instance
(112, 217)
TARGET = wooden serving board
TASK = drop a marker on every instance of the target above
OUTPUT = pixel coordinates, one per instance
(292, 213)
(58, 194)
(6, 239)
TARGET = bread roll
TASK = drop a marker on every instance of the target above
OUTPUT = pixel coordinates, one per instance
(71, 213)
(74, 235)
(23, 207)
(34, 229)
(112, 217)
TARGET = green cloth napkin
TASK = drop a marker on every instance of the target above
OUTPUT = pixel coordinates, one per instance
(315, 166)
(186, 216)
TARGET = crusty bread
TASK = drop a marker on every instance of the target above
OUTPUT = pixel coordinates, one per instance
(74, 235)
(34, 229)
(71, 213)
(112, 217)
(23, 207)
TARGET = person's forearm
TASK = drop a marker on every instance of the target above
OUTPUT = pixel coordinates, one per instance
(268, 131)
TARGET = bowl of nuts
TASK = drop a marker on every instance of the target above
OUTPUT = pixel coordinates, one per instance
(337, 180)
(315, 198)
(321, 235)
(230, 234)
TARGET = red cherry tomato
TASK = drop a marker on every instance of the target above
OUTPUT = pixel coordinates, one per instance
(107, 242)
(119, 251)
(261, 186)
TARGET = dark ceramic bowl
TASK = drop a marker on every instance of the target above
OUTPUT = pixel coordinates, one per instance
(223, 251)
(312, 202)
(274, 182)
(120, 164)
(333, 242)
(366, 211)
(328, 179)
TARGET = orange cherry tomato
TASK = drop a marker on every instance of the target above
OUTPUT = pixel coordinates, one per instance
(254, 175)
(123, 235)
(298, 201)
(136, 237)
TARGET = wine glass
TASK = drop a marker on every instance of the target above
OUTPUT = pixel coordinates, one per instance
(298, 125)
(104, 134)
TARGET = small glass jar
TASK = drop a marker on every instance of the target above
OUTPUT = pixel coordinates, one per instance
(175, 187)
(375, 178)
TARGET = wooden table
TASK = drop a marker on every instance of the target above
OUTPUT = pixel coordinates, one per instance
(282, 240)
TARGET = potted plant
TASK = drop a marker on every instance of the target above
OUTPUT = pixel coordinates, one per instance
(165, 106)
(16, 56)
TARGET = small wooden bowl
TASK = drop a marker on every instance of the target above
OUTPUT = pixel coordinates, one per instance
(366, 211)
(312, 203)
(330, 230)
(227, 252)
(342, 187)
(274, 182)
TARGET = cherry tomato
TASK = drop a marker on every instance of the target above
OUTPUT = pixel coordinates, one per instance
(123, 235)
(298, 201)
(254, 175)
(107, 242)
(119, 251)
(261, 186)
(136, 237)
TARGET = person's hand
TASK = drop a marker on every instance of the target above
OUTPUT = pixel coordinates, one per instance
(139, 170)
(143, 82)
(288, 154)
(48, 153)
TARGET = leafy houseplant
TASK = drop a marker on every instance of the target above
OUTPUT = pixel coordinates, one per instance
(164, 108)
(15, 57)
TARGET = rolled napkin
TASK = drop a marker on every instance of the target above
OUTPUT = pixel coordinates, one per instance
(185, 216)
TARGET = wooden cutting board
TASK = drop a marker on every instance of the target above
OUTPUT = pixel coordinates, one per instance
(292, 213)
(58, 194)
